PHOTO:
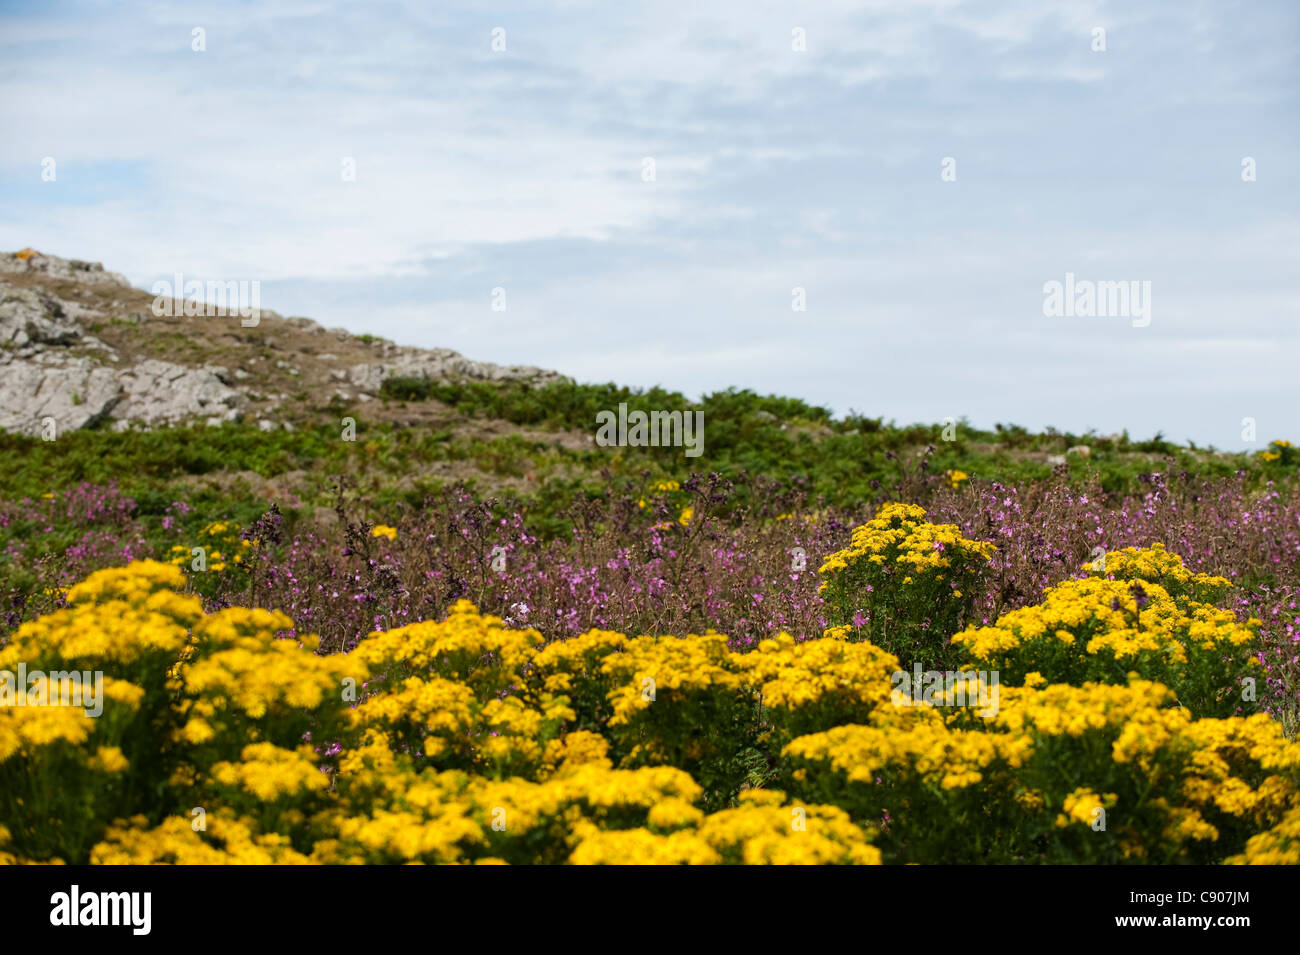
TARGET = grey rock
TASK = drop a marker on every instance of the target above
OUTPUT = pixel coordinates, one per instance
(441, 364)
(28, 317)
(160, 392)
(90, 273)
(75, 392)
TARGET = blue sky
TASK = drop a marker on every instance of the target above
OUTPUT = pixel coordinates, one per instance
(774, 169)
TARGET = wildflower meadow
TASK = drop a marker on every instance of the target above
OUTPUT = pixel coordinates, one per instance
(690, 672)
(706, 434)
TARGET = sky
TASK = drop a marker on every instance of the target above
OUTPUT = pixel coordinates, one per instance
(921, 170)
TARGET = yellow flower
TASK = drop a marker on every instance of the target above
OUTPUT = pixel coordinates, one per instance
(1083, 805)
(899, 535)
(109, 759)
(473, 742)
(269, 773)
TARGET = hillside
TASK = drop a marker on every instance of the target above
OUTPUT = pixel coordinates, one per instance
(175, 405)
(85, 347)
(82, 346)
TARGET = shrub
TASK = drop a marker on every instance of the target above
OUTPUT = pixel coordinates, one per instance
(1102, 630)
(903, 583)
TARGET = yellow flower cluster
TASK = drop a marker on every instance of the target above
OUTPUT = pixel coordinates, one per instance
(1239, 768)
(467, 741)
(809, 518)
(581, 655)
(1228, 753)
(466, 646)
(269, 772)
(243, 671)
(761, 831)
(197, 706)
(225, 839)
(221, 541)
(899, 534)
(585, 813)
(578, 748)
(1278, 451)
(659, 487)
(790, 675)
(1102, 629)
(453, 690)
(1082, 805)
(23, 729)
(1059, 709)
(654, 667)
(902, 583)
(113, 617)
(1158, 565)
(1277, 846)
(928, 748)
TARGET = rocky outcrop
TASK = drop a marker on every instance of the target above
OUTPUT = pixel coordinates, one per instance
(438, 363)
(90, 273)
(30, 318)
(78, 392)
(158, 392)
(74, 392)
(53, 367)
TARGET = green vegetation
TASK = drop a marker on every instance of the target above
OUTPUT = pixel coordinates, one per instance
(842, 461)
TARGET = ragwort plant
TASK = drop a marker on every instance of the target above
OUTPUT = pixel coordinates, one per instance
(904, 584)
(470, 740)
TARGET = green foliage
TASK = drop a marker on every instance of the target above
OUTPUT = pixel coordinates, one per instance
(842, 462)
